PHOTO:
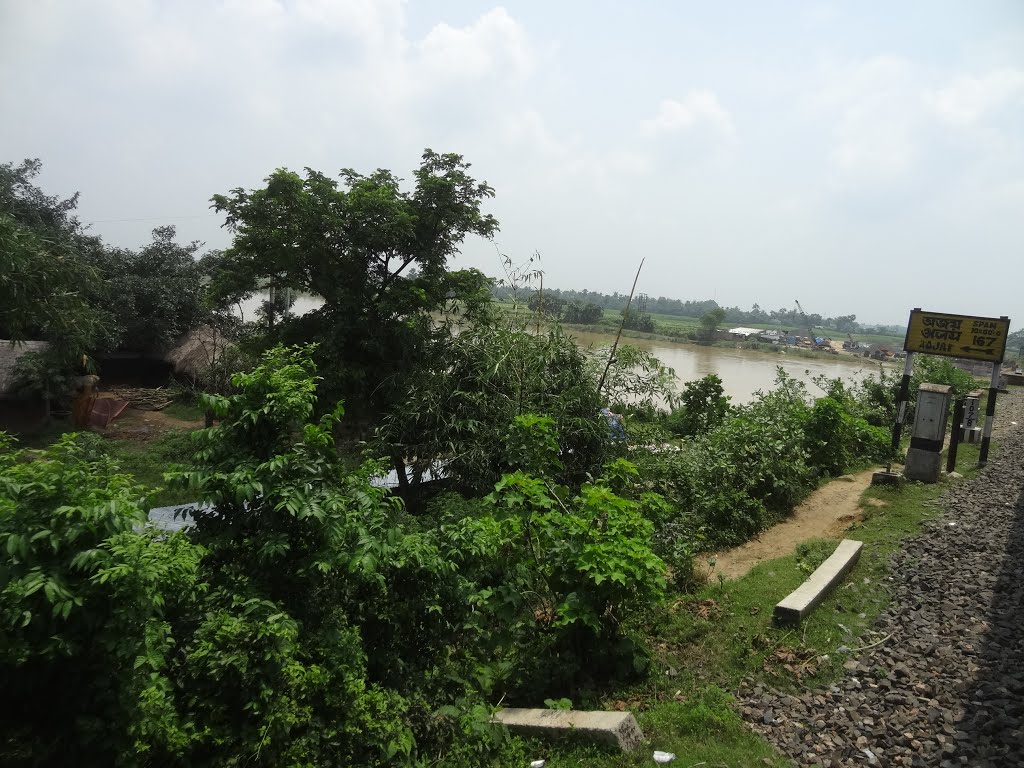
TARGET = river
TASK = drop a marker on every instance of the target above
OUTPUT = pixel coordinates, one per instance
(742, 371)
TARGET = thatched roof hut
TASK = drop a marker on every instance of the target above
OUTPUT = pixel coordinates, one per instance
(197, 350)
(9, 355)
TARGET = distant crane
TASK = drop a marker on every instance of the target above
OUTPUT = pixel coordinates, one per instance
(803, 315)
(825, 345)
(806, 322)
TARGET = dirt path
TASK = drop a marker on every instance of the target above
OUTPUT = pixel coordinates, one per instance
(827, 512)
(137, 424)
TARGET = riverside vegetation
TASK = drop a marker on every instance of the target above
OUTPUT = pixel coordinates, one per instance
(311, 617)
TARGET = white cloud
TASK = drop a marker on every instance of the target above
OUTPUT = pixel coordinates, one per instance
(875, 115)
(967, 99)
(494, 45)
(699, 106)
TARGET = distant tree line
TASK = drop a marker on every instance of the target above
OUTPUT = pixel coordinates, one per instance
(571, 304)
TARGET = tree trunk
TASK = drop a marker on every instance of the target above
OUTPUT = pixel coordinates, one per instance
(403, 479)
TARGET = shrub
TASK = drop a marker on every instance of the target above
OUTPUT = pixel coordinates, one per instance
(703, 406)
(85, 607)
(458, 410)
(560, 574)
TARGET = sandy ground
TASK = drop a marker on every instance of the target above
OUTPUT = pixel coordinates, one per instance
(827, 512)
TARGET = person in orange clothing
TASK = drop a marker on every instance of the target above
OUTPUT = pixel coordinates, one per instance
(84, 390)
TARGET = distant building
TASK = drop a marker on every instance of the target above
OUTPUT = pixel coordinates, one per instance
(744, 333)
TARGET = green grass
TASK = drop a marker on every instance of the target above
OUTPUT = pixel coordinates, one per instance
(701, 728)
(147, 461)
(708, 643)
(186, 411)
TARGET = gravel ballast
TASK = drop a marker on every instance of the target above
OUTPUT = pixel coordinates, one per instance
(946, 688)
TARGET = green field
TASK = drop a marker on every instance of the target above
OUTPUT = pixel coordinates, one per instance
(679, 328)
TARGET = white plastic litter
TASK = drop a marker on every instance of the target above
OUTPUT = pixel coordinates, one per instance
(664, 757)
(537, 764)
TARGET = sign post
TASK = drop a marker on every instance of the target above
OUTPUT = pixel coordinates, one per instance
(990, 415)
(954, 435)
(901, 401)
(964, 336)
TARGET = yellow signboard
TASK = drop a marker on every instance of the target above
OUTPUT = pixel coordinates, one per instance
(972, 338)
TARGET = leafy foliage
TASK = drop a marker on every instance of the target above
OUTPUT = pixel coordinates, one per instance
(834, 439)
(48, 284)
(460, 407)
(703, 406)
(376, 254)
(157, 290)
(574, 570)
(760, 461)
(709, 323)
(84, 606)
(636, 378)
(582, 313)
(940, 370)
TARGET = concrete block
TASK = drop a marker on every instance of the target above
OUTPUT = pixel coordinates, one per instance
(809, 595)
(614, 729)
(972, 435)
(925, 466)
(886, 478)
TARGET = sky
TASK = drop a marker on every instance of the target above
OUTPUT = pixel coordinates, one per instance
(860, 157)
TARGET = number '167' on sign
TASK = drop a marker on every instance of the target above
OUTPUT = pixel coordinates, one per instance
(964, 336)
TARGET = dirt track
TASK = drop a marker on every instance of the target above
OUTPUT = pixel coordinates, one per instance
(827, 512)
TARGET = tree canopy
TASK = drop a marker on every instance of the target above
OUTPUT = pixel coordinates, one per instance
(47, 277)
(376, 253)
(157, 290)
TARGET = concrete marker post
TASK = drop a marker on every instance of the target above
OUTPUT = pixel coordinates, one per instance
(990, 415)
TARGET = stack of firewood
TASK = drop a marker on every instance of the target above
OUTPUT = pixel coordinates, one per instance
(143, 398)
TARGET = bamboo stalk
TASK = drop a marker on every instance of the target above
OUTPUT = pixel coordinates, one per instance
(625, 314)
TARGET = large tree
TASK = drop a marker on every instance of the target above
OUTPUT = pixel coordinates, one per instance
(377, 254)
(157, 291)
(47, 277)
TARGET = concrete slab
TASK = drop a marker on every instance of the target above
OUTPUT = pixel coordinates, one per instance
(614, 729)
(809, 595)
(887, 478)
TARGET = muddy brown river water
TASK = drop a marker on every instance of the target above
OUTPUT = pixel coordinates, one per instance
(743, 371)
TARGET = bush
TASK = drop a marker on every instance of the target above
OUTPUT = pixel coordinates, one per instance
(756, 465)
(560, 574)
(458, 410)
(85, 607)
(703, 406)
